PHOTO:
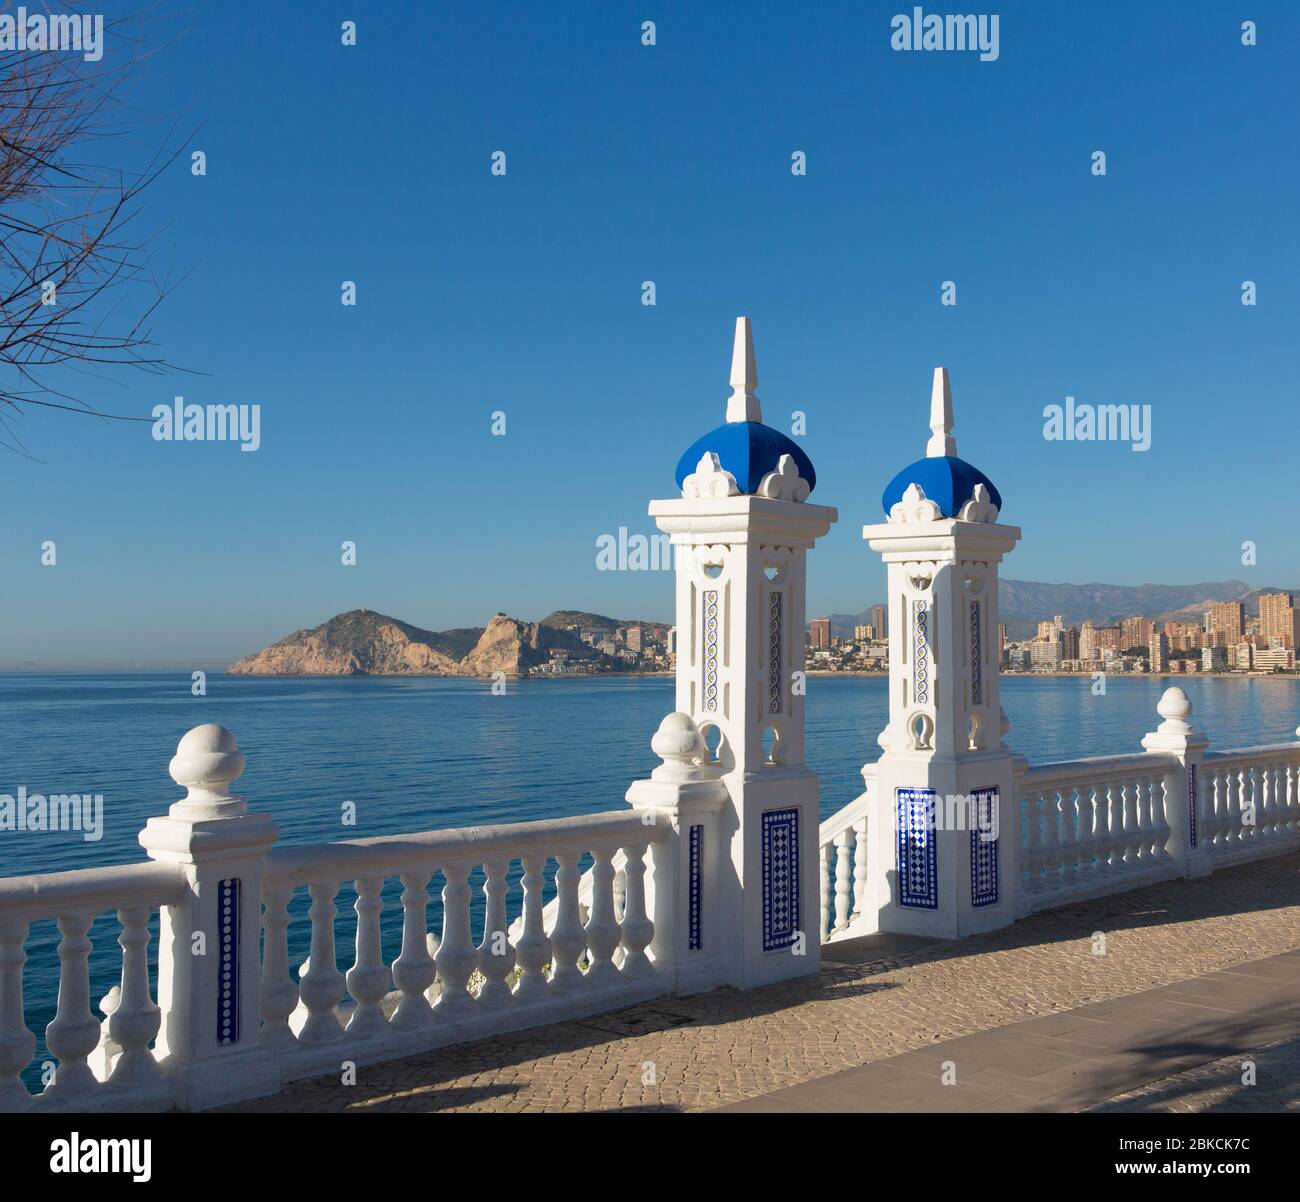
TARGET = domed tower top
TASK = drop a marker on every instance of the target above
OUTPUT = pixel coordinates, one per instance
(941, 476)
(743, 456)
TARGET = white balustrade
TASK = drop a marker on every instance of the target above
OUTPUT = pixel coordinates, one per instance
(131, 1074)
(843, 870)
(1094, 826)
(1088, 827)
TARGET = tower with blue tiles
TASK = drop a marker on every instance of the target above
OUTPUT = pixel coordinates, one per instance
(741, 530)
(943, 845)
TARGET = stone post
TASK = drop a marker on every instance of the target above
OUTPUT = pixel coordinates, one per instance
(944, 818)
(687, 796)
(1182, 782)
(208, 962)
(741, 530)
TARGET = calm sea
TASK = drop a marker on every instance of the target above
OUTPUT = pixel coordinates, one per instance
(423, 753)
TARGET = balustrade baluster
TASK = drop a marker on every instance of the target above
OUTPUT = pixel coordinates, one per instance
(369, 977)
(568, 939)
(321, 985)
(1267, 788)
(1109, 821)
(1069, 835)
(1291, 772)
(1142, 820)
(279, 992)
(637, 929)
(825, 887)
(1033, 844)
(859, 865)
(1213, 788)
(842, 882)
(135, 1023)
(414, 970)
(1236, 811)
(496, 957)
(532, 946)
(1086, 839)
(1159, 819)
(602, 929)
(74, 1033)
(17, 1043)
(1051, 841)
(457, 956)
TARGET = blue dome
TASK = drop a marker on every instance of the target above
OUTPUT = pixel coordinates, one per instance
(946, 480)
(748, 450)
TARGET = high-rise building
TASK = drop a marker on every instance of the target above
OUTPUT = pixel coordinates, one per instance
(819, 635)
(878, 621)
(1047, 630)
(1107, 638)
(1227, 618)
(1135, 632)
(1070, 643)
(1159, 653)
(863, 633)
(1279, 619)
(1088, 648)
(1002, 638)
(634, 638)
(1045, 654)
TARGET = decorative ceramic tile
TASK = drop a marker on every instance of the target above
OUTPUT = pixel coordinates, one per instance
(774, 653)
(780, 843)
(711, 650)
(694, 887)
(918, 853)
(983, 849)
(228, 961)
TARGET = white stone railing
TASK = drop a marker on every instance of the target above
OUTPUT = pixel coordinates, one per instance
(1102, 825)
(1094, 826)
(450, 987)
(84, 1078)
(842, 843)
(227, 1019)
(1248, 803)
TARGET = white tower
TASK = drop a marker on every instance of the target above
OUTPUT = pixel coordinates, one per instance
(741, 529)
(943, 845)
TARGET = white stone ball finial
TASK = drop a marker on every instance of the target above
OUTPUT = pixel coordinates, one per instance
(677, 740)
(207, 759)
(1175, 709)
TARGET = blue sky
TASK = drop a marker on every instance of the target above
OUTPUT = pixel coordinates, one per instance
(671, 163)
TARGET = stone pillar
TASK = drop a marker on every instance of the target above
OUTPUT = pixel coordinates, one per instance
(741, 530)
(208, 961)
(1182, 783)
(943, 827)
(687, 796)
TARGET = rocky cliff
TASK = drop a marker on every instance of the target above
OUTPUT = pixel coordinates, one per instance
(364, 643)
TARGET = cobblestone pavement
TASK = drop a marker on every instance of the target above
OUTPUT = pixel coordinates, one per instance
(712, 1049)
(1219, 1087)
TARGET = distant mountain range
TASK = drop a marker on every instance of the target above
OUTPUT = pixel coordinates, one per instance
(1022, 604)
(364, 643)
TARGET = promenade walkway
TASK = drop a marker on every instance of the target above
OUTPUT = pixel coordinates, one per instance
(1046, 1014)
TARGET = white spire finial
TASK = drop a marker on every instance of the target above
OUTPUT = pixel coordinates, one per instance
(743, 405)
(941, 440)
